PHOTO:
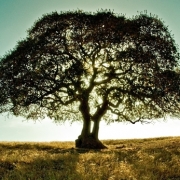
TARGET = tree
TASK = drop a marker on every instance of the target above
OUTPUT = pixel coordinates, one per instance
(92, 67)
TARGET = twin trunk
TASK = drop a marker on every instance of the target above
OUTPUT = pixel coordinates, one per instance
(86, 131)
(89, 139)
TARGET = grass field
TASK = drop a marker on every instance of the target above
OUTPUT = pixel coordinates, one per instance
(138, 159)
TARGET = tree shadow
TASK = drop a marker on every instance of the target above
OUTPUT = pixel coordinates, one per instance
(47, 148)
(47, 163)
(40, 161)
(56, 167)
(26, 146)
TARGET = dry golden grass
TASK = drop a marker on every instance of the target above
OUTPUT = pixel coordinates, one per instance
(138, 159)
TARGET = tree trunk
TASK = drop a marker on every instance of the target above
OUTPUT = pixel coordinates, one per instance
(86, 130)
(89, 140)
(95, 131)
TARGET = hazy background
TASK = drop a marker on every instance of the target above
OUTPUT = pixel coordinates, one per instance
(16, 16)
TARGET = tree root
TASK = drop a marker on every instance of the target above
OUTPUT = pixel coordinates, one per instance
(89, 143)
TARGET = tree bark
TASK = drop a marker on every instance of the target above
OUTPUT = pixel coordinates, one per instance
(89, 140)
(85, 133)
(95, 131)
(86, 130)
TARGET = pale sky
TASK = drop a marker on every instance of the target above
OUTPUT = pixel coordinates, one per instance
(16, 16)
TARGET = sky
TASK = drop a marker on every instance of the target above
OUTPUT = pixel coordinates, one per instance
(17, 16)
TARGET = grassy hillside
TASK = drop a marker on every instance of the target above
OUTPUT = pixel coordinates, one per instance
(138, 159)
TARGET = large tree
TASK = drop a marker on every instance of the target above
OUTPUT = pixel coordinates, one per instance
(92, 67)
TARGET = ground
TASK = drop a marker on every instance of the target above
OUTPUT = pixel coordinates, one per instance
(138, 159)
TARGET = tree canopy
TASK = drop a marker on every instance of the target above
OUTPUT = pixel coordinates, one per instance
(92, 66)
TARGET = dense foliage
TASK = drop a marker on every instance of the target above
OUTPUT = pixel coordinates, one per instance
(84, 66)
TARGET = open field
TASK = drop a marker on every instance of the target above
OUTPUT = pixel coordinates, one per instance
(138, 159)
